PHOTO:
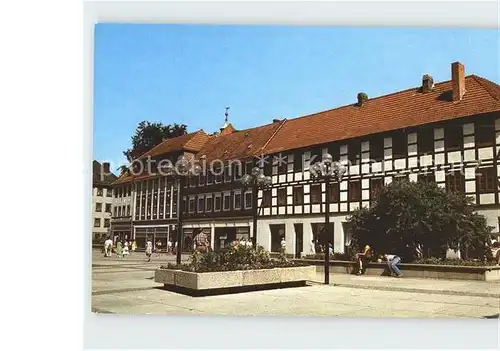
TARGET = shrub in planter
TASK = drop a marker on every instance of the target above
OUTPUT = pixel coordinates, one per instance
(236, 258)
(338, 256)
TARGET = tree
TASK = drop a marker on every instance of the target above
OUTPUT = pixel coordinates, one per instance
(147, 135)
(409, 217)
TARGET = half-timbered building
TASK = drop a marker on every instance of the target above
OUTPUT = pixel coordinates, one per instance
(448, 132)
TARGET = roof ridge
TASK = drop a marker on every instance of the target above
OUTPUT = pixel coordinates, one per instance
(481, 81)
(283, 121)
(381, 97)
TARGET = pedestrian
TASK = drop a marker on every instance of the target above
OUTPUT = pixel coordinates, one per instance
(134, 246)
(312, 248)
(169, 246)
(149, 249)
(108, 243)
(119, 249)
(363, 259)
(495, 252)
(330, 249)
(158, 248)
(392, 263)
(125, 249)
(201, 242)
(283, 244)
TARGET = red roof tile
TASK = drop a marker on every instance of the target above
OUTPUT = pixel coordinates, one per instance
(238, 145)
(189, 142)
(402, 109)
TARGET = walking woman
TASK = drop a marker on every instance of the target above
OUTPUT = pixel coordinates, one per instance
(134, 246)
(119, 249)
(149, 249)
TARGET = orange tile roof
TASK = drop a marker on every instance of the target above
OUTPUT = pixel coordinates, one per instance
(239, 145)
(189, 142)
(398, 110)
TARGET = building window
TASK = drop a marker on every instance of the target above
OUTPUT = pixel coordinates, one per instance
(282, 197)
(218, 203)
(99, 191)
(227, 174)
(192, 182)
(377, 149)
(399, 145)
(298, 162)
(208, 204)
(201, 180)
(376, 184)
(128, 210)
(315, 156)
(453, 137)
(129, 190)
(218, 174)
(268, 167)
(334, 150)
(227, 202)
(248, 200)
(427, 178)
(315, 194)
(455, 181)
(485, 180)
(201, 204)
(266, 198)
(210, 177)
(116, 211)
(425, 140)
(98, 207)
(354, 190)
(334, 192)
(109, 192)
(298, 195)
(282, 164)
(192, 205)
(237, 201)
(237, 169)
(107, 223)
(484, 132)
(354, 151)
(108, 208)
(97, 222)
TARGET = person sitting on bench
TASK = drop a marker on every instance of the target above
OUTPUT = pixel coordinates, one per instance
(363, 259)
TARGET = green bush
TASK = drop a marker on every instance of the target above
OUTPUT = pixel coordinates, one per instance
(452, 262)
(236, 258)
(418, 220)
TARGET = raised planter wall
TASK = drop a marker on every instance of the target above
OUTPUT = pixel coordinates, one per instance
(234, 279)
(410, 270)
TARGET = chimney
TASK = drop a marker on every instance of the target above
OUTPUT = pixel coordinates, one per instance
(427, 83)
(362, 98)
(105, 167)
(457, 80)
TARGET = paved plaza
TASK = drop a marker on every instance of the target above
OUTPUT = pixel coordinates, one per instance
(127, 286)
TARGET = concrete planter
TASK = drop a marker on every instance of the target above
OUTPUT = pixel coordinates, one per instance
(410, 270)
(235, 279)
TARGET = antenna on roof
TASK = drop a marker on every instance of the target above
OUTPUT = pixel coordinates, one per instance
(226, 114)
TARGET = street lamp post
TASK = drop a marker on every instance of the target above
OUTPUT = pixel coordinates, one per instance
(256, 180)
(180, 172)
(327, 170)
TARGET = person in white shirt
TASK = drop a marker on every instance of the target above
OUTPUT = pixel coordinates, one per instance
(392, 263)
(312, 248)
(149, 249)
(108, 244)
(283, 244)
(126, 251)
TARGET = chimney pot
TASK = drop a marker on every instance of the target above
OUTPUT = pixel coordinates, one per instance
(427, 83)
(105, 167)
(362, 98)
(457, 80)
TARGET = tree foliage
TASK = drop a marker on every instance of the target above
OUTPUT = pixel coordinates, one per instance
(147, 135)
(419, 219)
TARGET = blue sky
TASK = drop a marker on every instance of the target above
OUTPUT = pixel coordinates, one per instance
(189, 74)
